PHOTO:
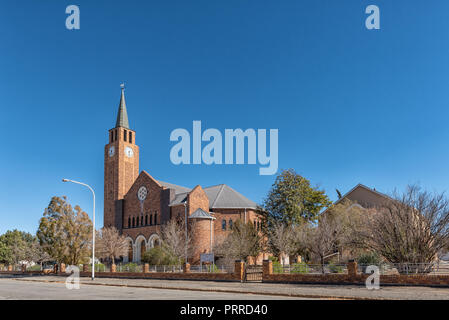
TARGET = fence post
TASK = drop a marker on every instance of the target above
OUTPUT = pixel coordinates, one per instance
(113, 268)
(239, 270)
(267, 268)
(146, 268)
(186, 267)
(352, 269)
(62, 268)
(9, 267)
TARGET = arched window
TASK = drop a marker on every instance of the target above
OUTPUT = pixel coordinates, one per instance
(223, 224)
(129, 222)
(258, 226)
(155, 218)
(230, 224)
(141, 221)
(255, 224)
(146, 220)
(151, 219)
(134, 222)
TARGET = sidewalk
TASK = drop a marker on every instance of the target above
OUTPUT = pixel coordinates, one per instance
(295, 290)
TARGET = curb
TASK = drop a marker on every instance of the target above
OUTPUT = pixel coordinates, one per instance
(312, 296)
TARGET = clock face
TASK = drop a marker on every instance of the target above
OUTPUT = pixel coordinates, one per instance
(129, 152)
(142, 193)
(111, 151)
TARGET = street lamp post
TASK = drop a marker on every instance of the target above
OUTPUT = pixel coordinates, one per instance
(186, 234)
(93, 223)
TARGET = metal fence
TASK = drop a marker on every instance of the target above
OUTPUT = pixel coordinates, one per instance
(310, 268)
(409, 268)
(210, 268)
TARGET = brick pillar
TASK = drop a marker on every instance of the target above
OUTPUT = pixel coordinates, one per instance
(113, 268)
(9, 267)
(352, 269)
(298, 259)
(24, 268)
(62, 268)
(267, 268)
(239, 270)
(85, 268)
(146, 268)
(186, 267)
(55, 268)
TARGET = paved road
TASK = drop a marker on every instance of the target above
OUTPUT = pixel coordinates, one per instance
(36, 290)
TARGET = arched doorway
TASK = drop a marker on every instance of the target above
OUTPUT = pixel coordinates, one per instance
(154, 241)
(130, 252)
(142, 249)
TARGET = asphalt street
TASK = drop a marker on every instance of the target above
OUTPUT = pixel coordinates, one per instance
(33, 290)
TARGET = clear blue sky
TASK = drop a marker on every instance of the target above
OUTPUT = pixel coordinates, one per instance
(351, 105)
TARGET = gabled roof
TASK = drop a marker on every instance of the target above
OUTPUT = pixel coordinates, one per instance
(178, 189)
(220, 196)
(224, 197)
(348, 195)
(122, 116)
(201, 214)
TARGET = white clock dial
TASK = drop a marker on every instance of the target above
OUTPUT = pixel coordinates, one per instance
(129, 152)
(111, 151)
(142, 193)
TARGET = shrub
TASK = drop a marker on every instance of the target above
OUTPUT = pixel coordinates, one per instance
(300, 268)
(335, 269)
(131, 267)
(159, 256)
(36, 267)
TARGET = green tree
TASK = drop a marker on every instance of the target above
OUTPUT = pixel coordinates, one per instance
(65, 233)
(292, 200)
(16, 246)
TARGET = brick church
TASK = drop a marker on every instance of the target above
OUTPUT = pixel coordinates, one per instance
(137, 204)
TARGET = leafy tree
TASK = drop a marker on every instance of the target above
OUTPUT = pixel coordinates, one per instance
(64, 232)
(16, 246)
(292, 200)
(110, 244)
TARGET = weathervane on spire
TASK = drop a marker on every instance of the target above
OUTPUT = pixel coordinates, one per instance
(122, 85)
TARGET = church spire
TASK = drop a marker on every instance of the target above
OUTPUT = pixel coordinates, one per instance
(122, 116)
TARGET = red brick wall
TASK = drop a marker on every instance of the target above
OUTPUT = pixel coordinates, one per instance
(151, 206)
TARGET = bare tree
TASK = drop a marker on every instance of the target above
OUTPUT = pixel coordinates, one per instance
(111, 244)
(173, 236)
(283, 239)
(243, 242)
(411, 228)
(336, 230)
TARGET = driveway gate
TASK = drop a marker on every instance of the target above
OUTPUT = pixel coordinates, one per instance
(253, 273)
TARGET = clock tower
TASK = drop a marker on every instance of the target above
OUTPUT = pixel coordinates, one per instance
(121, 166)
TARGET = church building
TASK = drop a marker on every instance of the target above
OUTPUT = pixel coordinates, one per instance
(138, 204)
